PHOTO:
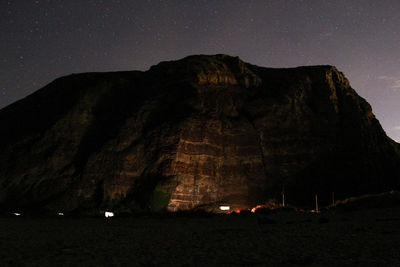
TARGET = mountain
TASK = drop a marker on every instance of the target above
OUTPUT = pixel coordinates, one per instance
(198, 132)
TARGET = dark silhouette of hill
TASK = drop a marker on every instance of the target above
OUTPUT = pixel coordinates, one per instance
(201, 131)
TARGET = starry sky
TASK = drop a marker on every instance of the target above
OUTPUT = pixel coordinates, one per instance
(45, 39)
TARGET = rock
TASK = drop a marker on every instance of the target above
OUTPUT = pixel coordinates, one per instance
(194, 133)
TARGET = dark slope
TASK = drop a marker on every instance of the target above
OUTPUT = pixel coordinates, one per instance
(195, 132)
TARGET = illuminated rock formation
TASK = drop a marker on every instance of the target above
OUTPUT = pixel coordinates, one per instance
(199, 132)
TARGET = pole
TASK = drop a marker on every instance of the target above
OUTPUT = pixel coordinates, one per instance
(316, 202)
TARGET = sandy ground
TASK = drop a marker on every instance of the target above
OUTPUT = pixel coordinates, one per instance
(361, 238)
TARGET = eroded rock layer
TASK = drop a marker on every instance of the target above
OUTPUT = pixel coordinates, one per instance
(199, 132)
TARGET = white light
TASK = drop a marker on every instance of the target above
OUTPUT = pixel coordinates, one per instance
(224, 207)
(108, 214)
(60, 214)
(17, 214)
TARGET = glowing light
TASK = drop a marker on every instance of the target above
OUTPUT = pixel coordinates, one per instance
(224, 207)
(108, 214)
(17, 214)
(234, 211)
(60, 214)
(253, 210)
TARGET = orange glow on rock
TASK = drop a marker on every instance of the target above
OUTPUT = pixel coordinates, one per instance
(253, 210)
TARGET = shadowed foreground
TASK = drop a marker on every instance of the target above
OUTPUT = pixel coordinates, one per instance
(285, 238)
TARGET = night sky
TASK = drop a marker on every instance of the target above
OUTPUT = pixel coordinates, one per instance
(43, 40)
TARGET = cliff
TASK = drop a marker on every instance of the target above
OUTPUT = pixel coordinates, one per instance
(197, 132)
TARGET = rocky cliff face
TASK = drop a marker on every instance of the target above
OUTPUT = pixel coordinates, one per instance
(198, 132)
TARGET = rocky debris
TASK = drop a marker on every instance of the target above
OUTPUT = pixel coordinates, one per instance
(199, 132)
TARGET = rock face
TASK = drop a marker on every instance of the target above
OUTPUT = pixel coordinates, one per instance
(198, 132)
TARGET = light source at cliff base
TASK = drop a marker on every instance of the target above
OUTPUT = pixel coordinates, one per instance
(224, 207)
(108, 214)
